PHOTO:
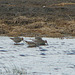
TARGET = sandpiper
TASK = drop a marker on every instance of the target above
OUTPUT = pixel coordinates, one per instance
(17, 39)
(31, 43)
(36, 42)
(40, 41)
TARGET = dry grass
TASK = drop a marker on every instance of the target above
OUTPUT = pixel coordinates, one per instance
(35, 25)
(40, 26)
(31, 17)
(4, 29)
(63, 4)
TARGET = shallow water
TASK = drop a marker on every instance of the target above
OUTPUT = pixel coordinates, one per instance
(57, 58)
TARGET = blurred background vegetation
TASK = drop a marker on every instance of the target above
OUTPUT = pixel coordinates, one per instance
(54, 18)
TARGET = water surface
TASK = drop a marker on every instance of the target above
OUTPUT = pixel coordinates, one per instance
(57, 58)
